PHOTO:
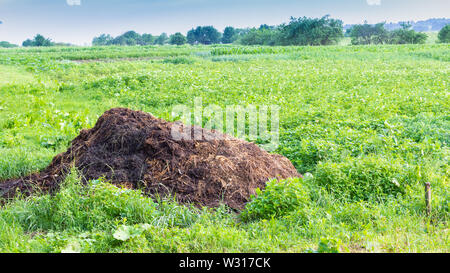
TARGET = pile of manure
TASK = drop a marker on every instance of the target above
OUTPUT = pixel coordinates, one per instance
(136, 150)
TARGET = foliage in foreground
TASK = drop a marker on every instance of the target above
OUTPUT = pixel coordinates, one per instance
(100, 217)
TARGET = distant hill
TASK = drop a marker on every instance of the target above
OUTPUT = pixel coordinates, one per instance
(434, 24)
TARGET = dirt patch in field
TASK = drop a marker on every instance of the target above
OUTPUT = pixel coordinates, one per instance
(137, 150)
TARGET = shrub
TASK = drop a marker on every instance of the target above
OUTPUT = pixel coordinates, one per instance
(278, 199)
(367, 178)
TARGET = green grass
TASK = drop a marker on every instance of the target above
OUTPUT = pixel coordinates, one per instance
(12, 75)
(368, 125)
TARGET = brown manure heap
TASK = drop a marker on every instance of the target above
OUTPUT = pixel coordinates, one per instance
(137, 150)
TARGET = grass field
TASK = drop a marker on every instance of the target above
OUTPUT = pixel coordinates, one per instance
(367, 125)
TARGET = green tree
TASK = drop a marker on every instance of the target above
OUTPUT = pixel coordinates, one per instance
(406, 35)
(5, 44)
(444, 34)
(148, 39)
(38, 40)
(129, 38)
(191, 37)
(119, 40)
(312, 31)
(229, 35)
(132, 38)
(102, 40)
(177, 39)
(377, 34)
(369, 34)
(261, 36)
(162, 39)
(204, 35)
(27, 43)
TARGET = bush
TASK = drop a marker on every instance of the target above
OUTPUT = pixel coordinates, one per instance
(368, 178)
(278, 199)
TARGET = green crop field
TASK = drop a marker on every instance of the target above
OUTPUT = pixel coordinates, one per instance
(367, 125)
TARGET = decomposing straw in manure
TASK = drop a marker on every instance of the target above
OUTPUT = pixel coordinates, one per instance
(136, 150)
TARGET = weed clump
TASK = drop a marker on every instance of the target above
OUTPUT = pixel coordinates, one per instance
(367, 178)
(278, 199)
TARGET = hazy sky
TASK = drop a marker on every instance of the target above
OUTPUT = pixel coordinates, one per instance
(78, 21)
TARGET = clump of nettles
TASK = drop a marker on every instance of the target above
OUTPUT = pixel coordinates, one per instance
(278, 199)
(369, 178)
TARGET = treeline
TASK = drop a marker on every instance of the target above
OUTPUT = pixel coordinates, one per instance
(130, 38)
(200, 35)
(299, 31)
(434, 24)
(40, 40)
(5, 44)
(377, 34)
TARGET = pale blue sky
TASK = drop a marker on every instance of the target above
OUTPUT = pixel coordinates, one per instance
(78, 24)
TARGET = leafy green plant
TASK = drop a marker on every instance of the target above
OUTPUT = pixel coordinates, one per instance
(366, 178)
(329, 246)
(277, 199)
(124, 232)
